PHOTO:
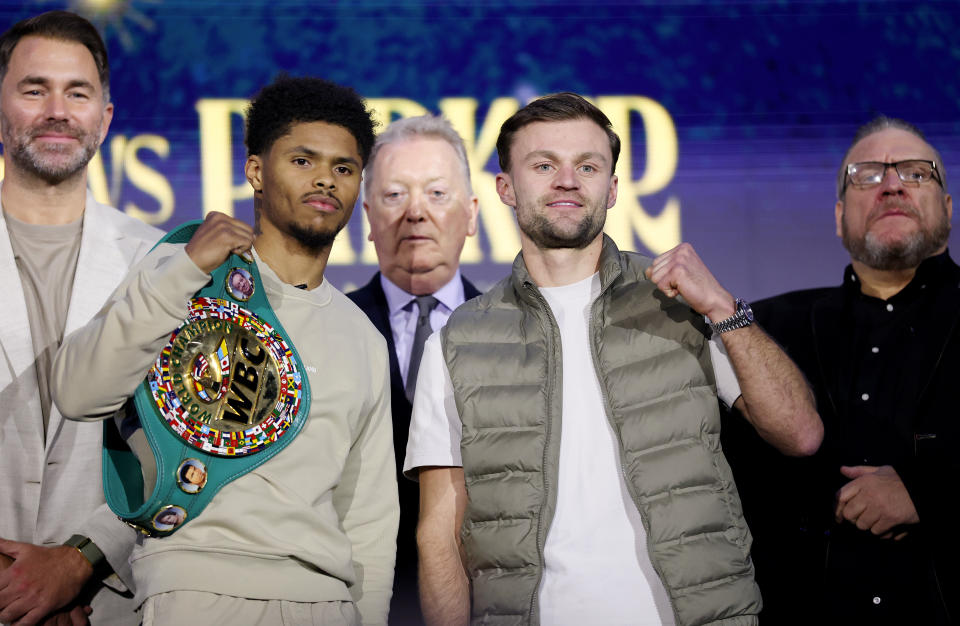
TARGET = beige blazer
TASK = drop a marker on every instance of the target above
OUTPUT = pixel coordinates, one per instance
(51, 490)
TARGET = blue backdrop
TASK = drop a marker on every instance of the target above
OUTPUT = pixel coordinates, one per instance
(737, 113)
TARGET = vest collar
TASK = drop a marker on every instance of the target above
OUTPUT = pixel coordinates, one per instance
(611, 263)
(611, 266)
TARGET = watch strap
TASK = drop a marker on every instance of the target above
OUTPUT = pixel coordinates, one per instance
(92, 553)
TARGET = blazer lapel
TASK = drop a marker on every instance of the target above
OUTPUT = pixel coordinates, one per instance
(101, 265)
(469, 291)
(16, 346)
(380, 317)
(929, 340)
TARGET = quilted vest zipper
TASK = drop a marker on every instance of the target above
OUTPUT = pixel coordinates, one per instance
(623, 469)
(550, 332)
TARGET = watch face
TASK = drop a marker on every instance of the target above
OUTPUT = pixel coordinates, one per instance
(743, 307)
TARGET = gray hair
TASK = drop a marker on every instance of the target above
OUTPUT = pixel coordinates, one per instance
(877, 124)
(421, 126)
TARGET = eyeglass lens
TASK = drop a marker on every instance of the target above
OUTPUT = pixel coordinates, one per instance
(872, 172)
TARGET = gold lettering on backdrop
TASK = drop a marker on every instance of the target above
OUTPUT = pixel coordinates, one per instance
(118, 147)
(148, 179)
(384, 109)
(342, 251)
(220, 192)
(97, 178)
(658, 233)
(223, 187)
(123, 160)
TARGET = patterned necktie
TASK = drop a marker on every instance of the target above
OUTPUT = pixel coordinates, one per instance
(426, 304)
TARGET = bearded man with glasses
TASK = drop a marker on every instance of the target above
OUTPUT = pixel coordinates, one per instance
(858, 534)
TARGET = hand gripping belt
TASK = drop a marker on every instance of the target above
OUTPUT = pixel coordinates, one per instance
(227, 393)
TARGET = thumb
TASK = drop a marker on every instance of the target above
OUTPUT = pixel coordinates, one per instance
(856, 471)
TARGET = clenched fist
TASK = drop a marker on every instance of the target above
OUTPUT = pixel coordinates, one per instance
(680, 272)
(217, 238)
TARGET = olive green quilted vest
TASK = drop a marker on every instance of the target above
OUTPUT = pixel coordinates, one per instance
(503, 353)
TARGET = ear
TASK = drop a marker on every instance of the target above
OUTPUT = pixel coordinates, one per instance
(474, 208)
(612, 193)
(838, 214)
(254, 171)
(505, 190)
(948, 205)
(366, 209)
(105, 124)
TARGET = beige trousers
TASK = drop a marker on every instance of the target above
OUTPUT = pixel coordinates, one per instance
(199, 608)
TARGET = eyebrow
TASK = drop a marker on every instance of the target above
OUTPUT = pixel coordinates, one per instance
(45, 82)
(583, 156)
(428, 181)
(310, 152)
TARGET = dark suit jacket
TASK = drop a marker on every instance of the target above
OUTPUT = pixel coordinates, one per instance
(372, 301)
(789, 502)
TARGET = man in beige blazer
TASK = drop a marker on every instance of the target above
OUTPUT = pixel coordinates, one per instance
(62, 552)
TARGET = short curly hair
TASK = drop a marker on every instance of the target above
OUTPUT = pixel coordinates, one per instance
(296, 100)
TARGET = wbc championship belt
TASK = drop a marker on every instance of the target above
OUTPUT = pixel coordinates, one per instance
(227, 392)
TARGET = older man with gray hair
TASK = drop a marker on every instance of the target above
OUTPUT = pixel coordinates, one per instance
(863, 531)
(421, 208)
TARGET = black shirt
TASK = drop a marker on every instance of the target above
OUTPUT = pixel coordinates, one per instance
(882, 390)
(875, 427)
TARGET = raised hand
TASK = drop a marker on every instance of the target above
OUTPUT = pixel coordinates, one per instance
(217, 238)
(681, 272)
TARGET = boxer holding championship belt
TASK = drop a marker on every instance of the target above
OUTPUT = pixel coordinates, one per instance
(226, 394)
(235, 532)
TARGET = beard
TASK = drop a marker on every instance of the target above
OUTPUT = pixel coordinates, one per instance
(52, 164)
(903, 254)
(550, 235)
(313, 239)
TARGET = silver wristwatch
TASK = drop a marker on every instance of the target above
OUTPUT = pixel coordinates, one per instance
(742, 317)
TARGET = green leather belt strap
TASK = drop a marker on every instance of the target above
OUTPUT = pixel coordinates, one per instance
(227, 393)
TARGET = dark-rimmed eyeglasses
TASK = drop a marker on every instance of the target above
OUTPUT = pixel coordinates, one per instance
(911, 172)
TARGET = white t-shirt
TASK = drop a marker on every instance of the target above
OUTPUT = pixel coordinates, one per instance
(596, 566)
